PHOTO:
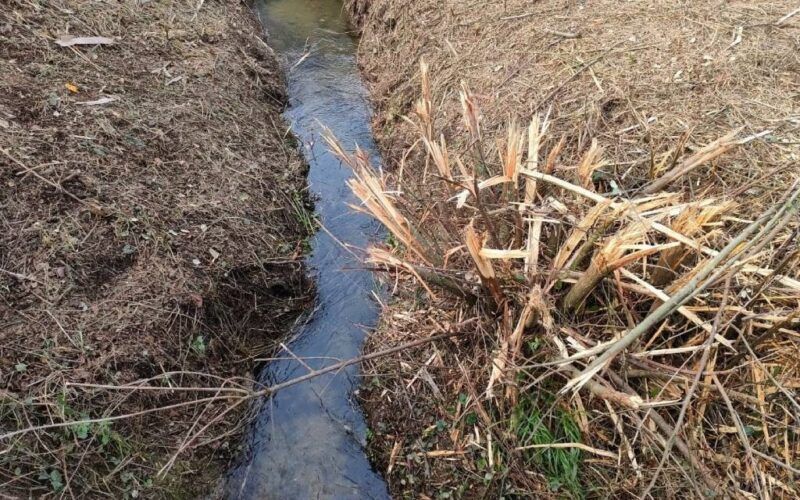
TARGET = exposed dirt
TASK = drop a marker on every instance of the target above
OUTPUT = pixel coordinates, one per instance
(650, 81)
(150, 208)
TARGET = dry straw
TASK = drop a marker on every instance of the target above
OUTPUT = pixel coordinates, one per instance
(625, 292)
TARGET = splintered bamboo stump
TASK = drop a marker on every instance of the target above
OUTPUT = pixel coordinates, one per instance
(587, 282)
(668, 264)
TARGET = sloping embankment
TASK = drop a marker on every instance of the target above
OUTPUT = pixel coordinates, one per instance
(651, 82)
(150, 223)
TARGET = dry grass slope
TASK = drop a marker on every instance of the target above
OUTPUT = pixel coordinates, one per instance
(149, 224)
(624, 271)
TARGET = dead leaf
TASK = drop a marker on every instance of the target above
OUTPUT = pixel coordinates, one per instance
(69, 41)
(71, 87)
(196, 299)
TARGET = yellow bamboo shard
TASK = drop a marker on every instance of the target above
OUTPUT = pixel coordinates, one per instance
(578, 234)
(691, 222)
(462, 169)
(440, 156)
(513, 155)
(369, 189)
(535, 133)
(532, 246)
(483, 265)
(496, 253)
(470, 112)
(552, 156)
(475, 246)
(707, 153)
(589, 164)
(534, 139)
(424, 105)
(366, 187)
(607, 258)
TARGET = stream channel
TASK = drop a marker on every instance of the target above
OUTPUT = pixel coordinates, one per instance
(308, 440)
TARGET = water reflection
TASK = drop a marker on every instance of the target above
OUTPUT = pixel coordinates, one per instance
(308, 440)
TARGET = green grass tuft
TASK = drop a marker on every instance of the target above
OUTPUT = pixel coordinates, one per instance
(560, 466)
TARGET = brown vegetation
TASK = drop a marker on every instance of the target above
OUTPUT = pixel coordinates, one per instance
(150, 214)
(625, 272)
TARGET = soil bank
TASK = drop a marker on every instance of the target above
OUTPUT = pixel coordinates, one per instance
(635, 76)
(151, 222)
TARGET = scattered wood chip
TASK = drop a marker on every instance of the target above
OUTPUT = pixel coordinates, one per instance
(398, 444)
(69, 41)
(443, 453)
(563, 34)
(98, 102)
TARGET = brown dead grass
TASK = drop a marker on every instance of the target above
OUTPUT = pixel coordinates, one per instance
(674, 63)
(652, 83)
(155, 233)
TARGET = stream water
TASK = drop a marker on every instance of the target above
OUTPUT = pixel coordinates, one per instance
(308, 440)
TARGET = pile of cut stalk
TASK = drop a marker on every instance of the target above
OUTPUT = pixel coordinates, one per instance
(614, 339)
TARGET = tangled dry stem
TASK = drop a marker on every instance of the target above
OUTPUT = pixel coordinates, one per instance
(618, 287)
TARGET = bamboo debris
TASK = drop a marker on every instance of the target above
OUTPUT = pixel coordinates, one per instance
(590, 163)
(439, 155)
(696, 285)
(371, 191)
(513, 155)
(690, 222)
(648, 264)
(578, 234)
(536, 131)
(483, 265)
(610, 257)
(423, 107)
(707, 153)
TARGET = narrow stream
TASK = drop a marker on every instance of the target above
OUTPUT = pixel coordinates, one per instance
(308, 440)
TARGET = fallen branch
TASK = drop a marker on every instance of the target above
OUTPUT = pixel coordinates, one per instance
(57, 186)
(239, 399)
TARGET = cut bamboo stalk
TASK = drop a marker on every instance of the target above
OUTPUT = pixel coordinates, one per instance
(657, 226)
(696, 285)
(483, 266)
(707, 153)
(690, 222)
(610, 257)
(578, 233)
